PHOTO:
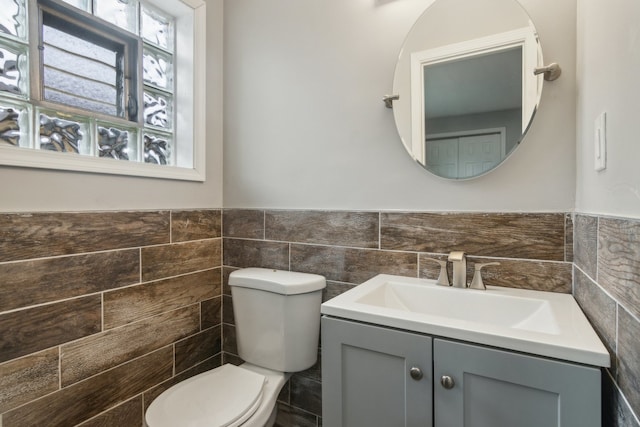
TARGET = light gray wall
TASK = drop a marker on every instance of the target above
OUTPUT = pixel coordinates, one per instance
(25, 189)
(608, 65)
(305, 126)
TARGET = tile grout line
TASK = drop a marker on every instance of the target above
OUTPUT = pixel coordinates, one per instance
(173, 349)
(597, 239)
(101, 311)
(380, 230)
(617, 335)
(170, 227)
(622, 395)
(59, 369)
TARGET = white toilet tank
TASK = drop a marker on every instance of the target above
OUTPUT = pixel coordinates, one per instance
(277, 315)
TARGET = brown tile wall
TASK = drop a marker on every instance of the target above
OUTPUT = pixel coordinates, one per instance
(101, 311)
(348, 248)
(607, 287)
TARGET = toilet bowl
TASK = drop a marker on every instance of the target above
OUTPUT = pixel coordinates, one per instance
(277, 315)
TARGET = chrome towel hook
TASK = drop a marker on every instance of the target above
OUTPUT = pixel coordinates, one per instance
(551, 71)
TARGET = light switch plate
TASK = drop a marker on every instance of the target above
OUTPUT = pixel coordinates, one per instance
(600, 142)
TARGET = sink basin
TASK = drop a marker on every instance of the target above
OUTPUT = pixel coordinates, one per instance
(541, 323)
(492, 308)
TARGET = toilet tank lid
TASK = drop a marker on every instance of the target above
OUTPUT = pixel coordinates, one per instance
(277, 281)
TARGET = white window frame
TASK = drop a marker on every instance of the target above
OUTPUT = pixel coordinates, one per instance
(189, 104)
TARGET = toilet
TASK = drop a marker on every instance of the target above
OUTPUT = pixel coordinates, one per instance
(277, 315)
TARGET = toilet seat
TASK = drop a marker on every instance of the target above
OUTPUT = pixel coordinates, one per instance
(223, 397)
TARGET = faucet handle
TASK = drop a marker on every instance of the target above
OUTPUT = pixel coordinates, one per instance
(443, 277)
(476, 282)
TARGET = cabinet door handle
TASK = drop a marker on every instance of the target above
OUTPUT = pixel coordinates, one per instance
(416, 373)
(447, 382)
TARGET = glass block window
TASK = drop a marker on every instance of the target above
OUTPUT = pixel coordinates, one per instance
(123, 13)
(157, 148)
(9, 125)
(157, 109)
(157, 29)
(61, 134)
(157, 69)
(90, 85)
(101, 82)
(117, 143)
(14, 124)
(14, 70)
(13, 18)
(157, 32)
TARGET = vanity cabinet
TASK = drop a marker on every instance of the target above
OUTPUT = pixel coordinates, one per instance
(494, 388)
(370, 378)
(366, 379)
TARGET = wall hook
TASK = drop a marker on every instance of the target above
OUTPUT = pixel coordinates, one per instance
(388, 100)
(551, 71)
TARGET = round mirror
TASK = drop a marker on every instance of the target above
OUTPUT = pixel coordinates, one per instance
(466, 87)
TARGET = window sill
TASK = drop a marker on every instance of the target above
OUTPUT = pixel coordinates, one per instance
(14, 156)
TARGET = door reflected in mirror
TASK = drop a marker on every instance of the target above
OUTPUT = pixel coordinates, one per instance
(472, 112)
(467, 98)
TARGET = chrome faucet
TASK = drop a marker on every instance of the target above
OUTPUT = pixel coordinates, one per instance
(459, 262)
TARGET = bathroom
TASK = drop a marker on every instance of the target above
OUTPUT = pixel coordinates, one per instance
(294, 105)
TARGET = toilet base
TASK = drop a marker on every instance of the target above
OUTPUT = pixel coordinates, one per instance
(265, 415)
(272, 418)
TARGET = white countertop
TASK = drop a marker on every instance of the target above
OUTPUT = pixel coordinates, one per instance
(540, 323)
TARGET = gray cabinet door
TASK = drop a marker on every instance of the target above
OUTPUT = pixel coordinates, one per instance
(366, 379)
(495, 388)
